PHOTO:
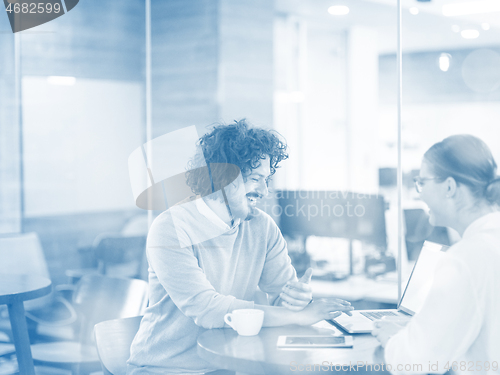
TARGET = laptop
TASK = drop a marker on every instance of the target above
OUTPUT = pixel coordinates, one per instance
(413, 297)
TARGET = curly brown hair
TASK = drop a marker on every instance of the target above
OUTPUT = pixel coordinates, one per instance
(227, 146)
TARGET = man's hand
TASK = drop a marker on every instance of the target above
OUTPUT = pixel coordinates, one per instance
(387, 327)
(321, 309)
(296, 295)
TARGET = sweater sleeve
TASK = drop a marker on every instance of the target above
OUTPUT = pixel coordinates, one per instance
(447, 325)
(185, 282)
(278, 269)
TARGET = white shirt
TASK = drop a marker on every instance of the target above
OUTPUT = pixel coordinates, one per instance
(460, 319)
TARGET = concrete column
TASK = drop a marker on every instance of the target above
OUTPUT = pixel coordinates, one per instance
(245, 61)
(212, 61)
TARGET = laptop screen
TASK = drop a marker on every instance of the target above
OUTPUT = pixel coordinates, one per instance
(421, 278)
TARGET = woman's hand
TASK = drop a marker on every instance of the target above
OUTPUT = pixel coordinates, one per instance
(321, 309)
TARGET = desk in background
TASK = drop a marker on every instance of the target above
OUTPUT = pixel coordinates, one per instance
(357, 288)
(14, 290)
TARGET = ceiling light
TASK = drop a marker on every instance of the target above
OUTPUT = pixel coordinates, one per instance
(469, 34)
(485, 26)
(444, 61)
(414, 10)
(61, 80)
(338, 10)
(475, 7)
(455, 28)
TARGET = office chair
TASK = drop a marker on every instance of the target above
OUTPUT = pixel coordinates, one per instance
(418, 230)
(97, 298)
(113, 339)
(117, 255)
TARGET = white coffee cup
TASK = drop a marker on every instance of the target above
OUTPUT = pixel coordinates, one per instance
(247, 322)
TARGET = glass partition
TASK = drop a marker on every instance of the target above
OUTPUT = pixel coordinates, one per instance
(72, 110)
(113, 88)
(323, 74)
(327, 103)
(311, 71)
(10, 131)
(451, 85)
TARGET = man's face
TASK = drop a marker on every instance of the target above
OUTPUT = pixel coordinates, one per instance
(243, 196)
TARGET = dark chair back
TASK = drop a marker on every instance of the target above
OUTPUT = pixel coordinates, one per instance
(117, 251)
(418, 230)
(113, 339)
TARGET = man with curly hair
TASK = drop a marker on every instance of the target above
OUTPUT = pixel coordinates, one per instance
(209, 255)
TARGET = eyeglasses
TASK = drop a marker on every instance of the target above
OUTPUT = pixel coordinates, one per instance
(420, 182)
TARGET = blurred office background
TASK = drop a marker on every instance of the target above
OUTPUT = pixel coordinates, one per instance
(73, 103)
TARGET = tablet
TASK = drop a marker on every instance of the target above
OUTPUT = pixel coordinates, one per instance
(305, 342)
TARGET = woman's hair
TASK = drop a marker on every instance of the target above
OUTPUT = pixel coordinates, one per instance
(235, 144)
(469, 161)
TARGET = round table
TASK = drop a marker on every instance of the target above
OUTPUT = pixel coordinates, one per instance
(14, 290)
(225, 349)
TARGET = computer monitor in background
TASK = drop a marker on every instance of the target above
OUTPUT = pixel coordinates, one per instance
(334, 214)
(388, 177)
(419, 230)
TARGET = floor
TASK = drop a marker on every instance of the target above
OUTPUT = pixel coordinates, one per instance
(8, 366)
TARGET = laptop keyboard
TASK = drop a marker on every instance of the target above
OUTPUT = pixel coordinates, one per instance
(372, 315)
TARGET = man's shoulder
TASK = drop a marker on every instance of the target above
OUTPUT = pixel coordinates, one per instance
(162, 231)
(181, 210)
(173, 222)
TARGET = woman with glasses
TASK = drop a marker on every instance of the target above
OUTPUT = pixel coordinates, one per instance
(458, 327)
